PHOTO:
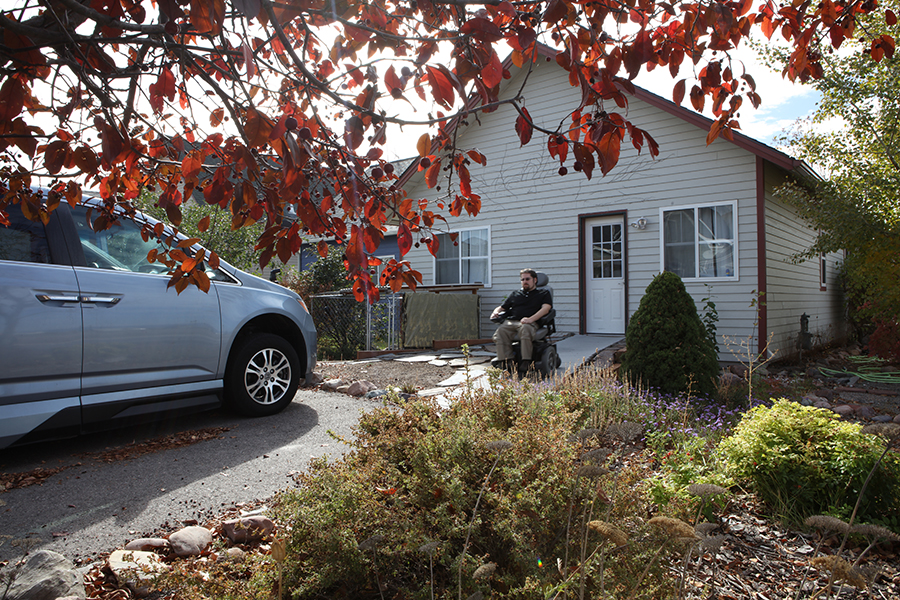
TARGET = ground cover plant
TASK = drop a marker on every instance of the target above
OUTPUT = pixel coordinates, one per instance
(805, 461)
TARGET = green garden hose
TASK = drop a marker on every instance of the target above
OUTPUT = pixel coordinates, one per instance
(868, 368)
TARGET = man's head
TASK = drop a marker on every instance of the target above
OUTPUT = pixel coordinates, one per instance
(528, 277)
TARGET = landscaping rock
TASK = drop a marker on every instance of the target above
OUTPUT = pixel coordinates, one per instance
(190, 541)
(136, 569)
(897, 419)
(234, 555)
(825, 393)
(862, 411)
(248, 530)
(376, 393)
(845, 410)
(728, 379)
(812, 399)
(46, 575)
(882, 418)
(313, 380)
(739, 370)
(822, 403)
(332, 385)
(147, 544)
(358, 388)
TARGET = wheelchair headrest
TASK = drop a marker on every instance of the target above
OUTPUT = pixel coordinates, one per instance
(542, 279)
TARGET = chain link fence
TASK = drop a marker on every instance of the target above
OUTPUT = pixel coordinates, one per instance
(346, 326)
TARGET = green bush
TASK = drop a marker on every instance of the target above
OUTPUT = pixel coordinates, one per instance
(668, 347)
(804, 461)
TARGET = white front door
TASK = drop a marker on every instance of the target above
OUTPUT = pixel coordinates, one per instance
(605, 275)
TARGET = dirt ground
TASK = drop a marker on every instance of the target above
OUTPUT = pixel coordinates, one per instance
(387, 373)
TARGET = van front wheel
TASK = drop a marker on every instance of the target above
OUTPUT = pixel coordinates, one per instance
(263, 377)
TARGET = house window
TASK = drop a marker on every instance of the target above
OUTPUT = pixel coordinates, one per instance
(823, 273)
(467, 261)
(700, 242)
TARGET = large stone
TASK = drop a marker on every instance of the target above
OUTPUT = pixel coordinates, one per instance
(46, 575)
(845, 410)
(862, 411)
(248, 530)
(190, 541)
(147, 544)
(826, 393)
(897, 419)
(136, 570)
(313, 380)
(358, 388)
(333, 384)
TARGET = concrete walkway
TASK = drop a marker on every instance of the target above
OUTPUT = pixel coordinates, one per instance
(575, 350)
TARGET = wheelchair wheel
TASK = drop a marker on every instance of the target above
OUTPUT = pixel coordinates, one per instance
(549, 361)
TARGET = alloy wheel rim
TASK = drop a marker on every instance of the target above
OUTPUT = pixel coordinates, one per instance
(267, 376)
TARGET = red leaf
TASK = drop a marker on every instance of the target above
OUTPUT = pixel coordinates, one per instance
(55, 156)
(404, 239)
(608, 151)
(890, 18)
(697, 98)
(207, 16)
(678, 93)
(392, 81)
(432, 172)
(354, 132)
(492, 74)
(481, 29)
(442, 87)
(13, 95)
(556, 11)
(257, 128)
(433, 244)
(355, 252)
(524, 128)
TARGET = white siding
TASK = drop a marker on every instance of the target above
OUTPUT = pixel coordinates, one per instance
(793, 289)
(534, 213)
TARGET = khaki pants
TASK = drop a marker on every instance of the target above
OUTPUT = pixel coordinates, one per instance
(509, 331)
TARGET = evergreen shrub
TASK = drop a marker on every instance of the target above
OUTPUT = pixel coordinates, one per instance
(668, 347)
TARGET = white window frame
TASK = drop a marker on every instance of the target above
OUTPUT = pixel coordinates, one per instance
(823, 272)
(434, 269)
(696, 208)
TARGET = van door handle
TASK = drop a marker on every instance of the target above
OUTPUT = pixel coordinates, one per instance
(49, 298)
(99, 299)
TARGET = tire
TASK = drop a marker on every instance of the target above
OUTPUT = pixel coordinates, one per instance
(549, 361)
(263, 376)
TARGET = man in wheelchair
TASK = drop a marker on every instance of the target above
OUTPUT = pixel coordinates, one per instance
(523, 316)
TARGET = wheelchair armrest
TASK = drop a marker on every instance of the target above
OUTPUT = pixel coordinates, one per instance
(548, 318)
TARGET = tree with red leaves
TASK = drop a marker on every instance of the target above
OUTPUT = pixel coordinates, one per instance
(274, 105)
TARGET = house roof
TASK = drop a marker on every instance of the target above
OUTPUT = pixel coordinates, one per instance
(755, 147)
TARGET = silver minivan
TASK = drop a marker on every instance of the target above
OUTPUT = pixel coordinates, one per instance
(91, 337)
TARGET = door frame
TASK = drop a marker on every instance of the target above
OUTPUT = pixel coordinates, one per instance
(582, 283)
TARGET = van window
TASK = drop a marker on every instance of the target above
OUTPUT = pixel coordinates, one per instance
(23, 240)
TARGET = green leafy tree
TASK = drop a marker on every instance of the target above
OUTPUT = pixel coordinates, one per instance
(668, 345)
(212, 225)
(857, 208)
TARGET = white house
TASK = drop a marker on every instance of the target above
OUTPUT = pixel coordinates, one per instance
(705, 212)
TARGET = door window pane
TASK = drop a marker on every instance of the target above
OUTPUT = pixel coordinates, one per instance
(607, 251)
(23, 240)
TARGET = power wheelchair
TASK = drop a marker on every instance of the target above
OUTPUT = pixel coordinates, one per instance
(545, 357)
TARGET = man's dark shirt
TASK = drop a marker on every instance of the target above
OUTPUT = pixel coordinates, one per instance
(524, 304)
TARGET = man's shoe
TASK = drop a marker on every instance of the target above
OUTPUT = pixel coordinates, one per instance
(525, 366)
(503, 365)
